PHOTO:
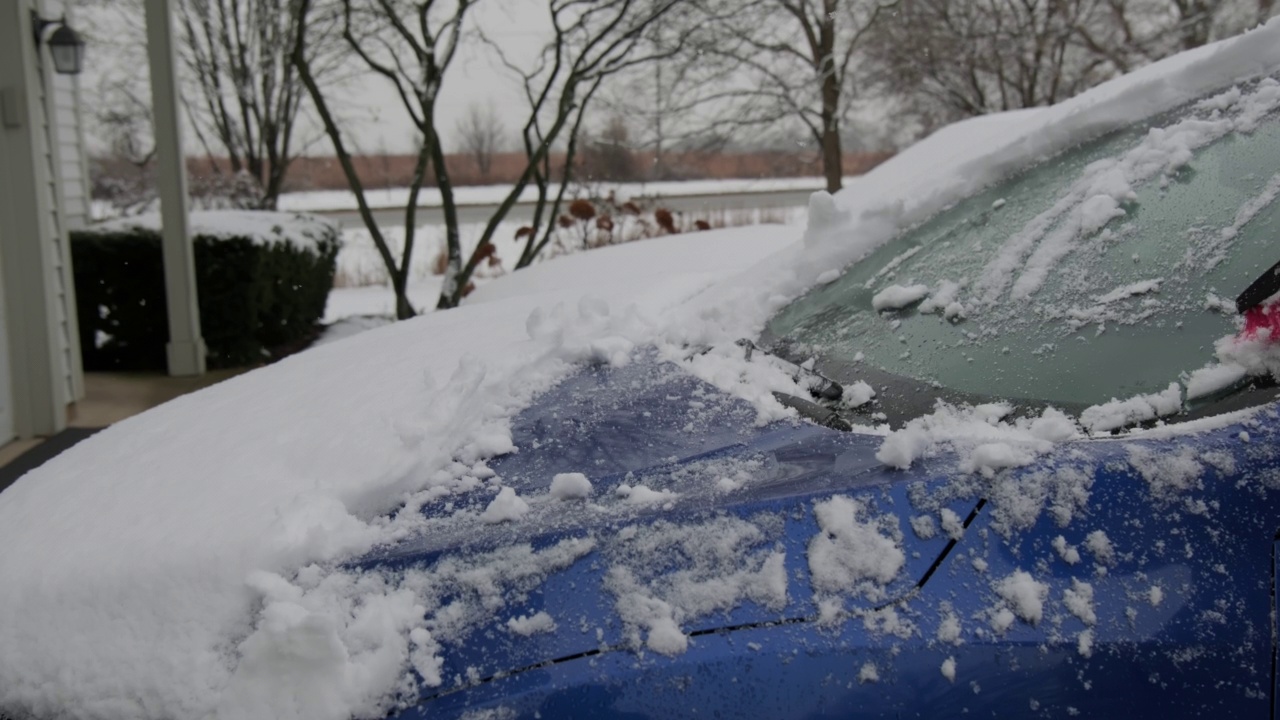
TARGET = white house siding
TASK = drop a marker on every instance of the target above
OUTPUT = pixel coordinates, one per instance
(65, 152)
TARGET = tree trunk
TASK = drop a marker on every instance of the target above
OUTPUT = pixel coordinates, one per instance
(455, 276)
(299, 59)
(832, 153)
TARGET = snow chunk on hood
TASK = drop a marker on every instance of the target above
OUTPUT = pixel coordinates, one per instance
(854, 552)
(505, 507)
(666, 574)
(1024, 594)
(985, 441)
(569, 486)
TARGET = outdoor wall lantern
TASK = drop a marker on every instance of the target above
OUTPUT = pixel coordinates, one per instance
(65, 44)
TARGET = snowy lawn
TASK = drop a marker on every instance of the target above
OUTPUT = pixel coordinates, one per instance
(154, 570)
(324, 200)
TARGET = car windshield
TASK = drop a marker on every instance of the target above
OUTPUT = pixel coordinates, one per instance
(1106, 272)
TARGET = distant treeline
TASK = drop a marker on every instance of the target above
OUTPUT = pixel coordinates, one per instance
(384, 171)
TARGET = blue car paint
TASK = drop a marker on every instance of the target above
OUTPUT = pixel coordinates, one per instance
(1206, 648)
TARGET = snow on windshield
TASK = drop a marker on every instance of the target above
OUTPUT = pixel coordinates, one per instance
(188, 562)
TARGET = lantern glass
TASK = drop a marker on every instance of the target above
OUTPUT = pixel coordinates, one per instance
(67, 50)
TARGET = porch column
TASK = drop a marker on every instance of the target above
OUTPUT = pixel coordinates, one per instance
(186, 349)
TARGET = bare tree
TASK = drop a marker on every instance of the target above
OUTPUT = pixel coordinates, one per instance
(665, 104)
(240, 90)
(411, 45)
(971, 56)
(1136, 32)
(955, 58)
(249, 97)
(590, 43)
(123, 176)
(480, 134)
(778, 61)
(608, 156)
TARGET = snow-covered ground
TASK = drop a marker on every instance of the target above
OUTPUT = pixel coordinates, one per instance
(325, 200)
(362, 289)
(157, 570)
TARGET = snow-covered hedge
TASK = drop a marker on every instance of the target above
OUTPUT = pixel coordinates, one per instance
(262, 279)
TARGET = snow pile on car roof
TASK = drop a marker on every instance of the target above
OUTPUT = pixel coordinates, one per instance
(184, 563)
(160, 568)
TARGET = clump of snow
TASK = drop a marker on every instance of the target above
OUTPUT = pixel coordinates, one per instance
(325, 650)
(1213, 379)
(1054, 426)
(949, 629)
(1141, 287)
(1084, 643)
(1167, 474)
(1002, 619)
(896, 297)
(644, 495)
(855, 553)
(667, 574)
(1100, 545)
(888, 621)
(1116, 414)
(857, 394)
(507, 506)
(640, 610)
(924, 527)
(985, 441)
(1258, 355)
(828, 277)
(570, 486)
(1018, 500)
(539, 622)
(949, 669)
(824, 214)
(944, 299)
(1078, 599)
(952, 523)
(990, 458)
(1069, 554)
(1024, 594)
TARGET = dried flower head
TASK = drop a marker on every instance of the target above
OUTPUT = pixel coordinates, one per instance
(665, 220)
(582, 209)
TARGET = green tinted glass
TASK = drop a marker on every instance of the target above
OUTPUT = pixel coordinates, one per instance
(1092, 276)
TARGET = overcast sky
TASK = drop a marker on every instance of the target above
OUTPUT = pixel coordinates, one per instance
(376, 120)
(521, 26)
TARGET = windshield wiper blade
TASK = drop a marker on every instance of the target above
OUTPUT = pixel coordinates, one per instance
(810, 410)
(819, 386)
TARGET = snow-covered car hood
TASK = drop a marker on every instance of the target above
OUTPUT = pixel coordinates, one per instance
(649, 529)
(190, 562)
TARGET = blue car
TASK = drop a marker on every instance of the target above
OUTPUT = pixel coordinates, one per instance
(1036, 475)
(996, 437)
